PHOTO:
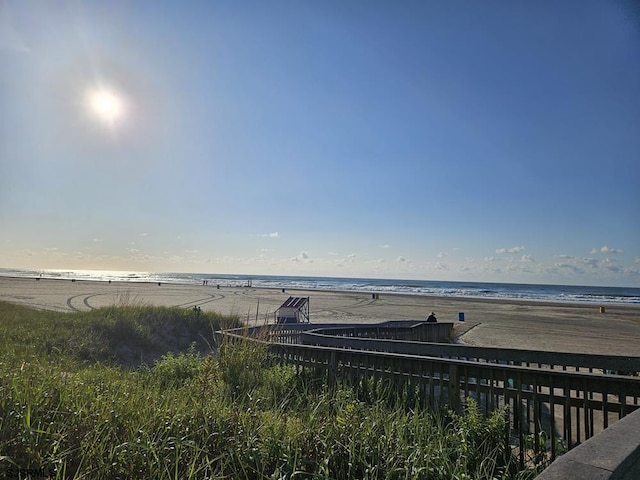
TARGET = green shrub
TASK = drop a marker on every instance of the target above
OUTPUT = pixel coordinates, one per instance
(178, 368)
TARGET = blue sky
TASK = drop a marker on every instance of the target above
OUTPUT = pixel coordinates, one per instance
(495, 141)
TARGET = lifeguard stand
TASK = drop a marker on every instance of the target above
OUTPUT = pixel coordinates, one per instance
(294, 310)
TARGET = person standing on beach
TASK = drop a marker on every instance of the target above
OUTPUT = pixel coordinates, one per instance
(432, 318)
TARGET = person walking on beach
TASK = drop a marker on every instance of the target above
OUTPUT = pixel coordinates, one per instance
(432, 318)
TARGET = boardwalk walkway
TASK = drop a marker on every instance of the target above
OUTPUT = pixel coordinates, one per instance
(556, 400)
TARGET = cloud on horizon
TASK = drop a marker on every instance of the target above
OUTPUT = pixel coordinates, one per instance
(510, 250)
(302, 257)
(604, 249)
(572, 268)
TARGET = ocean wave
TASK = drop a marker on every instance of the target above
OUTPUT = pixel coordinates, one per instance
(507, 291)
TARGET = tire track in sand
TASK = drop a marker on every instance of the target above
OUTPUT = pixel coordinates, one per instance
(85, 301)
(201, 301)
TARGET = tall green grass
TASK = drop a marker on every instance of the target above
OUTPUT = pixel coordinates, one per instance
(72, 406)
(128, 335)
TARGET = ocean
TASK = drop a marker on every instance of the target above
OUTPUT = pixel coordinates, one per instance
(511, 291)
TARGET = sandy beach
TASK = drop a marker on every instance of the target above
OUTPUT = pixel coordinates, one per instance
(566, 327)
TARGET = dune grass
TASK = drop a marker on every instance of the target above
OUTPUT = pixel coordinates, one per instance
(74, 404)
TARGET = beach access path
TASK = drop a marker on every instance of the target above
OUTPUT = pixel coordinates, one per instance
(563, 327)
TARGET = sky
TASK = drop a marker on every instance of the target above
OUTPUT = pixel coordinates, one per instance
(472, 141)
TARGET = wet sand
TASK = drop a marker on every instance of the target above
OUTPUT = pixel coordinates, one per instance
(564, 327)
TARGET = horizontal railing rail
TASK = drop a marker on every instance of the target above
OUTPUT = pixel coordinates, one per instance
(330, 335)
(577, 361)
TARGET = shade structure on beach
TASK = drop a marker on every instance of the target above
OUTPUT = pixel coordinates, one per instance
(293, 310)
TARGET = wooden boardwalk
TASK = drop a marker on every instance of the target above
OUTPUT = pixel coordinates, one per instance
(556, 400)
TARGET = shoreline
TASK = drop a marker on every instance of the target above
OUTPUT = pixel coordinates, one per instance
(518, 323)
(462, 298)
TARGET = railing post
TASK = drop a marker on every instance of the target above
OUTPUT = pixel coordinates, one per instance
(333, 368)
(454, 388)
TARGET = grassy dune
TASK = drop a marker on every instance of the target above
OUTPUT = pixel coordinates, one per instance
(128, 392)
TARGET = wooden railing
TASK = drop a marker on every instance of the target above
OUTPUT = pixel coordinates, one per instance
(556, 401)
(330, 337)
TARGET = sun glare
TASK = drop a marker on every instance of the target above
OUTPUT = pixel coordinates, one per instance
(106, 105)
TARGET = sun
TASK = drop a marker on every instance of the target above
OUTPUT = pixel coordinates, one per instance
(106, 105)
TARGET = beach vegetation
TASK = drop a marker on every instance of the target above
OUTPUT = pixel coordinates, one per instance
(74, 403)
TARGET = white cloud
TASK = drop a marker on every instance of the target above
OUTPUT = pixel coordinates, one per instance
(610, 267)
(302, 257)
(591, 262)
(401, 259)
(385, 246)
(271, 235)
(442, 254)
(572, 268)
(351, 258)
(598, 269)
(528, 258)
(604, 249)
(224, 259)
(256, 259)
(510, 250)
(634, 269)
